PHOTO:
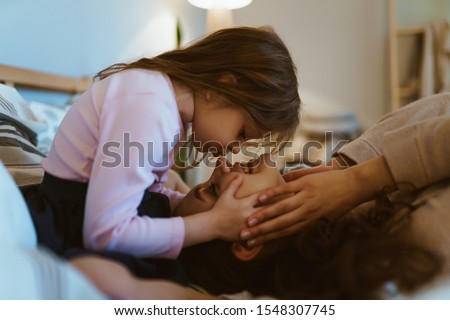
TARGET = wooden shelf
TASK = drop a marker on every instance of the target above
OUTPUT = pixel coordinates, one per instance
(397, 91)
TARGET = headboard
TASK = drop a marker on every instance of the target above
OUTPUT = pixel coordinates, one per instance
(21, 77)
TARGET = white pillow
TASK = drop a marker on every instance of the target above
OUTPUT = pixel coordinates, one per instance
(50, 115)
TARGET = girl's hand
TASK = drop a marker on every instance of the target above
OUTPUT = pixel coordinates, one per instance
(224, 220)
(230, 214)
(329, 193)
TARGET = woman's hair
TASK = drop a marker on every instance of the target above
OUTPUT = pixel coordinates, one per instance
(266, 86)
(352, 258)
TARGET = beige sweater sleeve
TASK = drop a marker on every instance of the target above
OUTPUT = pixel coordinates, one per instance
(419, 153)
(370, 144)
(414, 139)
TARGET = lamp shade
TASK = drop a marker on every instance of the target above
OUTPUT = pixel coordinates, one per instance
(220, 4)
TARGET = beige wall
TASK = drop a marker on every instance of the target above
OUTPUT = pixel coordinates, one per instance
(416, 12)
(339, 46)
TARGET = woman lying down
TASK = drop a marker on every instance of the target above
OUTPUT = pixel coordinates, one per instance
(349, 258)
(345, 259)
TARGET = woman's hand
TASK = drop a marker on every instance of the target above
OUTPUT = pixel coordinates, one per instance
(294, 175)
(323, 192)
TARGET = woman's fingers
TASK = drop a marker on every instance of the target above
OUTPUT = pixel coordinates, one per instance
(296, 174)
(276, 210)
(270, 236)
(289, 187)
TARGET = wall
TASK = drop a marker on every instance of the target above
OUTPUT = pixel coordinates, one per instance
(339, 46)
(81, 37)
(411, 13)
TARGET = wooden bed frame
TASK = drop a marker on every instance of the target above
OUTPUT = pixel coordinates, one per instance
(26, 78)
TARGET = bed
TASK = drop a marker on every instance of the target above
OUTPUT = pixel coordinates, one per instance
(28, 127)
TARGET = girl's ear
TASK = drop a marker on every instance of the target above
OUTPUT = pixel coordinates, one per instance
(243, 253)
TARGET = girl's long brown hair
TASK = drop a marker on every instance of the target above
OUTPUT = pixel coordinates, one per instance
(353, 258)
(266, 87)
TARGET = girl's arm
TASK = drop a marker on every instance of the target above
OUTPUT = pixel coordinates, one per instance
(117, 282)
(137, 130)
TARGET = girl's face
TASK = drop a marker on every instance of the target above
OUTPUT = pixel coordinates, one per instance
(257, 176)
(218, 126)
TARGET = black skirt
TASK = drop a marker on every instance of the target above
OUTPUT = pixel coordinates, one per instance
(57, 209)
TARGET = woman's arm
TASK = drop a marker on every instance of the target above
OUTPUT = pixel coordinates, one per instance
(330, 193)
(416, 153)
(371, 143)
(419, 154)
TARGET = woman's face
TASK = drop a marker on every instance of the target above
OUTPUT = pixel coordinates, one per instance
(257, 176)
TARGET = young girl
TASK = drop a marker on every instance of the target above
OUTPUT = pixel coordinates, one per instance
(103, 176)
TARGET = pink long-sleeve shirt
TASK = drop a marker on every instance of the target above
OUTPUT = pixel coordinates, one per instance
(119, 136)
